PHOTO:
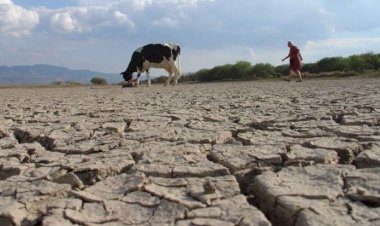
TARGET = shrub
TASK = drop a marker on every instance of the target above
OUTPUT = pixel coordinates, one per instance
(56, 83)
(160, 79)
(98, 81)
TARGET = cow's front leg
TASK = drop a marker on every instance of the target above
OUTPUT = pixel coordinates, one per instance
(148, 79)
(138, 79)
(169, 78)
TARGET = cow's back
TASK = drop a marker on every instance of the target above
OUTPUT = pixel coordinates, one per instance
(156, 53)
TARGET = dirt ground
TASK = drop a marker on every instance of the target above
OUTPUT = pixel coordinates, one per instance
(231, 153)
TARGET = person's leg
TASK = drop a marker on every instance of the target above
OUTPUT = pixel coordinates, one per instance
(299, 76)
(289, 77)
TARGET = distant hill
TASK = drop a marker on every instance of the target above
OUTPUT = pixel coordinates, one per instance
(46, 74)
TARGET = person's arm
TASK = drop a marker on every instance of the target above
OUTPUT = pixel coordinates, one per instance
(286, 57)
(289, 55)
(293, 53)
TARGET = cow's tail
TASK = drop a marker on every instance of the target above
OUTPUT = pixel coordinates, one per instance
(179, 66)
(178, 62)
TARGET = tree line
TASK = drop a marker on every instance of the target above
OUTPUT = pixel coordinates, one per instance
(243, 70)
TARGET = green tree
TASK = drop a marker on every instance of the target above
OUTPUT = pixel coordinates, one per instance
(160, 79)
(263, 70)
(218, 73)
(282, 70)
(332, 64)
(98, 81)
(72, 83)
(309, 67)
(188, 77)
(371, 61)
(242, 70)
(356, 63)
(56, 83)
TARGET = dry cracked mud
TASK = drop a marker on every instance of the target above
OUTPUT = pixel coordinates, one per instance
(238, 153)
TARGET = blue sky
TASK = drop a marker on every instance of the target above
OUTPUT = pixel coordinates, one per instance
(101, 35)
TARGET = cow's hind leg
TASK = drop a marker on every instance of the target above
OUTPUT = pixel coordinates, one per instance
(148, 78)
(176, 72)
(138, 79)
(175, 81)
(169, 78)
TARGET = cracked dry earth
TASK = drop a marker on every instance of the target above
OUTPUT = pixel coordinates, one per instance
(247, 153)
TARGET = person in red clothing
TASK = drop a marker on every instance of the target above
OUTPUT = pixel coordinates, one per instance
(295, 59)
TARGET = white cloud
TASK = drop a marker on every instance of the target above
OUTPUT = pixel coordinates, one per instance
(122, 18)
(342, 46)
(339, 43)
(211, 32)
(84, 19)
(64, 22)
(91, 15)
(166, 22)
(140, 4)
(181, 3)
(16, 20)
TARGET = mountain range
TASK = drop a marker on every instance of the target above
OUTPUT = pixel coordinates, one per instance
(46, 74)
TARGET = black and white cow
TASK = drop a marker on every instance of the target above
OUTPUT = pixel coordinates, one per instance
(164, 56)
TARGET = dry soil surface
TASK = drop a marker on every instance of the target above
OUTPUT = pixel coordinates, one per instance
(244, 153)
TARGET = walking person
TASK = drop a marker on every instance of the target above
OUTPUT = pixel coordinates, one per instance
(295, 59)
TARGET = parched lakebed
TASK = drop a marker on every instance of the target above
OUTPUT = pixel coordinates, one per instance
(236, 153)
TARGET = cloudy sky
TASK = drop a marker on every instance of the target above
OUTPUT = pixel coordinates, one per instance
(102, 34)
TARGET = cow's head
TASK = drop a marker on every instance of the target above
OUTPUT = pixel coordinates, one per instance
(127, 75)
